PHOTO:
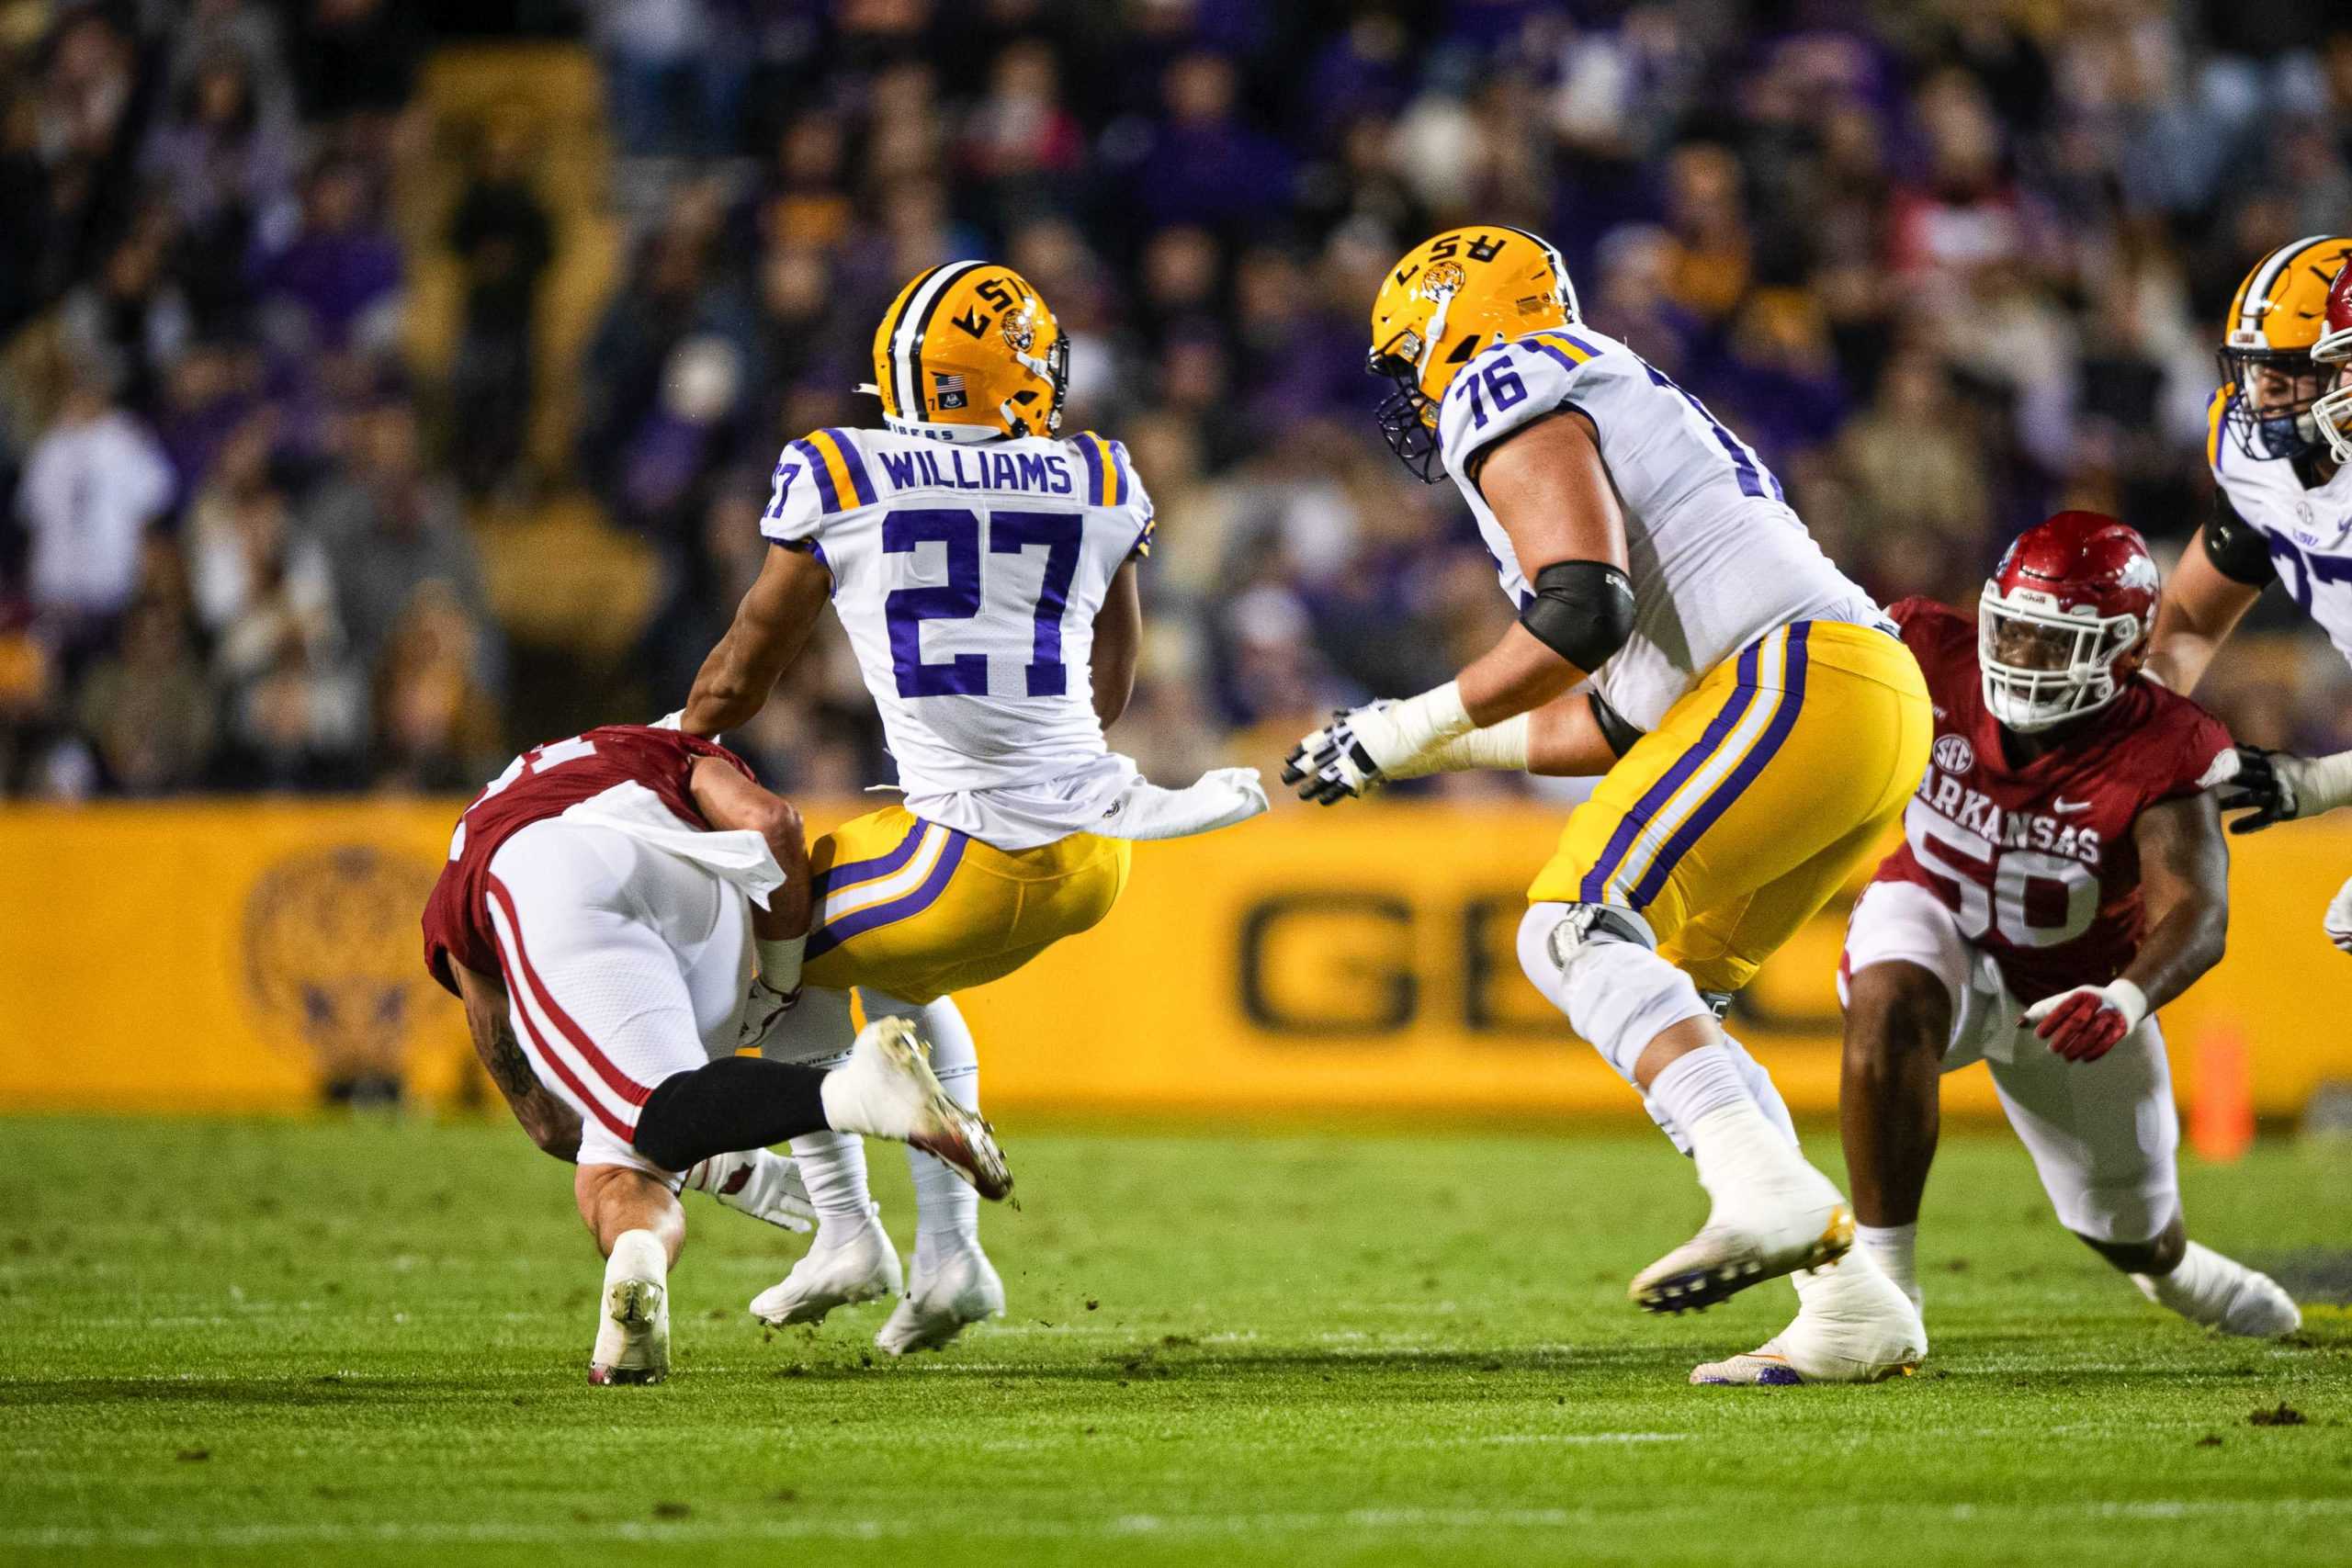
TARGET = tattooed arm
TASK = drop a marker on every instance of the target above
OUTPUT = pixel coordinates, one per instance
(553, 1125)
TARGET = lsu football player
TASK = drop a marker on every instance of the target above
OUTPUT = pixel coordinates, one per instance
(2280, 442)
(984, 567)
(1758, 725)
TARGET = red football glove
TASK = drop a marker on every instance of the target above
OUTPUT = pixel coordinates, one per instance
(2086, 1022)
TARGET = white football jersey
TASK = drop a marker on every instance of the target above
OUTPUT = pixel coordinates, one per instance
(968, 577)
(1717, 558)
(2309, 530)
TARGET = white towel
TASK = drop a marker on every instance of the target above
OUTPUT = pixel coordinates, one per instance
(739, 857)
(1219, 798)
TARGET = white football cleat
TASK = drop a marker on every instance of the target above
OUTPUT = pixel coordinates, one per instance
(956, 1286)
(886, 1091)
(1772, 1214)
(844, 1266)
(633, 1329)
(1853, 1325)
(2249, 1304)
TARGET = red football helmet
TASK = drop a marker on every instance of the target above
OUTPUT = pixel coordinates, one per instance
(2064, 619)
(2332, 412)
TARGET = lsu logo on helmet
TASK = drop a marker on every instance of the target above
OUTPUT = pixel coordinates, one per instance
(969, 350)
(1446, 299)
(2276, 319)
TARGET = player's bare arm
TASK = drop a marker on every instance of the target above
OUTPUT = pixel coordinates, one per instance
(553, 1125)
(771, 626)
(1118, 643)
(2185, 876)
(1566, 740)
(1550, 490)
(729, 802)
(2201, 607)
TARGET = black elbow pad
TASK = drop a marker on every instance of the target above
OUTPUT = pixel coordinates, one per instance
(1583, 611)
(2238, 549)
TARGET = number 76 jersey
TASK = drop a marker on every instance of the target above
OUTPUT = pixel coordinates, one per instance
(967, 577)
(2038, 861)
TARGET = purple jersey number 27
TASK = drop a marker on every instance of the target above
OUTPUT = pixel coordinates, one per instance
(961, 597)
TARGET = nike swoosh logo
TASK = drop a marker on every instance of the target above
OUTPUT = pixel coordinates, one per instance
(2065, 807)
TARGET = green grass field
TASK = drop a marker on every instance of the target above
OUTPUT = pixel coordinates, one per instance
(365, 1343)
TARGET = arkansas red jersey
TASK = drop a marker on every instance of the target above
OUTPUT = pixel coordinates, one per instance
(2038, 861)
(544, 782)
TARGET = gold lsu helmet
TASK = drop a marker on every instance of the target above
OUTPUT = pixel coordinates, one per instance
(969, 350)
(2275, 320)
(1446, 299)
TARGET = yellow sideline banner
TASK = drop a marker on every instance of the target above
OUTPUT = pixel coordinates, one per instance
(242, 957)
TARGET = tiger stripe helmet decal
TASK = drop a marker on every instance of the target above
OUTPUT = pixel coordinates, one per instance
(969, 350)
(1446, 299)
(2270, 383)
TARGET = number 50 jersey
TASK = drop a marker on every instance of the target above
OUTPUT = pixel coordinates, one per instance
(969, 576)
(2038, 862)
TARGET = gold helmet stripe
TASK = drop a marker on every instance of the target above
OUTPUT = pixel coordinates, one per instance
(1559, 267)
(2266, 278)
(906, 335)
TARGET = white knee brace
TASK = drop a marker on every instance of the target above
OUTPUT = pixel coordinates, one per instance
(1599, 966)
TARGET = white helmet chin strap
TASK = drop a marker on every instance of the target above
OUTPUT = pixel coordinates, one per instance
(1437, 335)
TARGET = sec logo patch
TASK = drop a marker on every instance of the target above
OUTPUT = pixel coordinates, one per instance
(1954, 754)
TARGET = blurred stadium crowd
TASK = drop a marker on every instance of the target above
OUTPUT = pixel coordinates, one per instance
(376, 396)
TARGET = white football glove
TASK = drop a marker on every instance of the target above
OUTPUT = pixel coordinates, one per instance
(2088, 1021)
(670, 721)
(2277, 787)
(2338, 921)
(1219, 798)
(763, 1183)
(1362, 748)
(764, 1009)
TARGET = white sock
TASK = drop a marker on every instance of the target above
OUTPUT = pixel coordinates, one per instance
(832, 1165)
(636, 1255)
(1761, 1087)
(1696, 1084)
(946, 1206)
(1894, 1249)
(1739, 1151)
(2200, 1289)
(1763, 1090)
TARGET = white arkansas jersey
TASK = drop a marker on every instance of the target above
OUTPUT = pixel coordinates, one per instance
(1717, 558)
(2309, 530)
(968, 577)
